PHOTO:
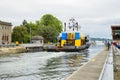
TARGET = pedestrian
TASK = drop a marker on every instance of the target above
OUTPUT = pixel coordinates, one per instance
(108, 45)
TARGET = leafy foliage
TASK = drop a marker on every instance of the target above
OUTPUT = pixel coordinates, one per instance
(48, 26)
(49, 20)
(48, 33)
(20, 34)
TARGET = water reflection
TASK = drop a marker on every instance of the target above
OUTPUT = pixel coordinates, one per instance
(63, 65)
(43, 65)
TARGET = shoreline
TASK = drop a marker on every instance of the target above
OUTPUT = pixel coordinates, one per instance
(12, 50)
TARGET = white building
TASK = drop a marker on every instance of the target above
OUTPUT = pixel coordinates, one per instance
(38, 40)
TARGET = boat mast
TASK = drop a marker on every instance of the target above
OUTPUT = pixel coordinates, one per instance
(74, 24)
(64, 26)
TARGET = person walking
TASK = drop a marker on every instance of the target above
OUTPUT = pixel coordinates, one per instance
(108, 45)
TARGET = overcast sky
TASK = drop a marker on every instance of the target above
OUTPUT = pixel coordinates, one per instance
(94, 16)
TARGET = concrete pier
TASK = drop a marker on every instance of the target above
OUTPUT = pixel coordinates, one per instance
(32, 47)
(92, 70)
(116, 59)
(11, 50)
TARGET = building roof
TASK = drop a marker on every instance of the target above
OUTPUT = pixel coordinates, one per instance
(5, 23)
(37, 38)
(115, 27)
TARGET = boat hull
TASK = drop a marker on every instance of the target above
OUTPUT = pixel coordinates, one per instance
(66, 48)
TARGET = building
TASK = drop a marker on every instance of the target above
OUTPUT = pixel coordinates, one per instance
(38, 40)
(116, 32)
(5, 32)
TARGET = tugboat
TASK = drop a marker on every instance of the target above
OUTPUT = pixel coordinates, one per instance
(71, 40)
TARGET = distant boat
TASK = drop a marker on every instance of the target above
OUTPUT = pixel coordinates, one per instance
(71, 39)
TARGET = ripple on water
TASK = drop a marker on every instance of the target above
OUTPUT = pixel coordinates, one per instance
(44, 65)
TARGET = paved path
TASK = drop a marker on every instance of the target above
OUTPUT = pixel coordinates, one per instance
(91, 70)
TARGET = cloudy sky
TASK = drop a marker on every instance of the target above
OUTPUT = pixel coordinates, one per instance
(94, 16)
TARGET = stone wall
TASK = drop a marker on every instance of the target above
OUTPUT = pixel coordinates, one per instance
(12, 50)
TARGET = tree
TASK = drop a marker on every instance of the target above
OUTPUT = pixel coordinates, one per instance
(50, 20)
(49, 33)
(20, 34)
(24, 23)
(49, 27)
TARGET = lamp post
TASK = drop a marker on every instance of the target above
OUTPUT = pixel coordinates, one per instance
(30, 34)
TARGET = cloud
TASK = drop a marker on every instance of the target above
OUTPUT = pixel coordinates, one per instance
(95, 16)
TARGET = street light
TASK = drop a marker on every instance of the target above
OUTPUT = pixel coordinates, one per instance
(30, 34)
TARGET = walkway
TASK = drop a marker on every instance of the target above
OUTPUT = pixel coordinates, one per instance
(91, 70)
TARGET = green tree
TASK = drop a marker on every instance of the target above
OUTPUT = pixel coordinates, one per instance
(49, 27)
(49, 33)
(26, 24)
(50, 20)
(20, 34)
(31, 27)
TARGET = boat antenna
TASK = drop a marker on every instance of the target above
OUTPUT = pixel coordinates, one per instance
(77, 26)
(64, 26)
(73, 23)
